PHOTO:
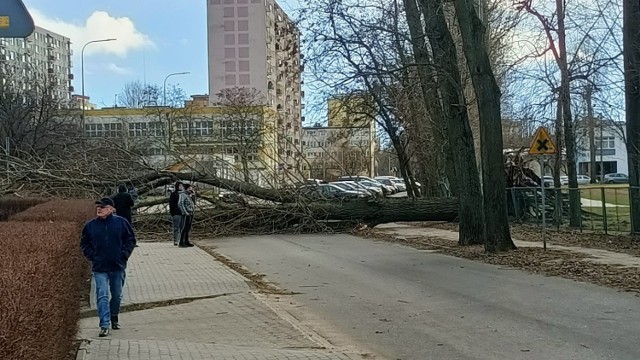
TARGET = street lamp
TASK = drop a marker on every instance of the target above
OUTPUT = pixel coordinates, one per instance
(164, 86)
(82, 75)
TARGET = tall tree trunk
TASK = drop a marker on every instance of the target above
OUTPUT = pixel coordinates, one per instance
(592, 133)
(498, 234)
(557, 165)
(457, 118)
(427, 76)
(631, 41)
(569, 133)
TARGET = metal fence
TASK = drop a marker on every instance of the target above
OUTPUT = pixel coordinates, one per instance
(603, 208)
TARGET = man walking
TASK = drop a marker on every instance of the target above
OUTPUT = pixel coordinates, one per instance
(108, 241)
(174, 211)
(186, 205)
(123, 202)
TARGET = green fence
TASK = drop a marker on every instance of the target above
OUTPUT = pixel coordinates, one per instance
(603, 208)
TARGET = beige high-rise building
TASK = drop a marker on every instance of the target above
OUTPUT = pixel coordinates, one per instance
(254, 44)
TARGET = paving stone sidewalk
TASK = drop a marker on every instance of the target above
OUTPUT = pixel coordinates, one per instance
(595, 255)
(233, 324)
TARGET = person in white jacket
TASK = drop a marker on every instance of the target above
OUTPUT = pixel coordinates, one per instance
(187, 207)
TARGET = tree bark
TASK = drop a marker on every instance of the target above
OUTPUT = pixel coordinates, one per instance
(497, 232)
(591, 133)
(427, 76)
(569, 133)
(457, 119)
(631, 49)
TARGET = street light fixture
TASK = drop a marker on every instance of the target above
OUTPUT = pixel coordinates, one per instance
(164, 86)
(82, 75)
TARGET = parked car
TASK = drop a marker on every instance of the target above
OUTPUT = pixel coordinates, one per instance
(328, 191)
(386, 190)
(390, 184)
(399, 183)
(582, 180)
(354, 178)
(616, 178)
(375, 190)
(353, 187)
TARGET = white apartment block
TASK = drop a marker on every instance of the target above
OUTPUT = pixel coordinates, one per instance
(43, 56)
(611, 149)
(254, 44)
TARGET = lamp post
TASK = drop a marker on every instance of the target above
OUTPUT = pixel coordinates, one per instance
(82, 74)
(164, 86)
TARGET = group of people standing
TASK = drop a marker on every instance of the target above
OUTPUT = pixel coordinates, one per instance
(181, 207)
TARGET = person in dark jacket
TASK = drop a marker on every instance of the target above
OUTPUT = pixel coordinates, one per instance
(174, 211)
(107, 242)
(187, 206)
(123, 203)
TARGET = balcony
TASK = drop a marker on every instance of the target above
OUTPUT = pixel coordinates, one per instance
(70, 76)
(71, 89)
(50, 70)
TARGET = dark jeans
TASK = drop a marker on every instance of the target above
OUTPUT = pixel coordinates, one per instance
(187, 220)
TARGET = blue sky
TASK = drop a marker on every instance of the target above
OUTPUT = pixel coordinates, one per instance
(155, 38)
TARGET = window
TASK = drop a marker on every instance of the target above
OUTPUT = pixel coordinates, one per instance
(244, 79)
(243, 39)
(243, 52)
(243, 25)
(606, 142)
(229, 39)
(230, 80)
(156, 129)
(229, 53)
(243, 11)
(229, 25)
(230, 66)
(202, 128)
(244, 66)
(103, 130)
(138, 129)
(182, 129)
(229, 12)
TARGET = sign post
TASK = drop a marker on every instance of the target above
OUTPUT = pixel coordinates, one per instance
(542, 145)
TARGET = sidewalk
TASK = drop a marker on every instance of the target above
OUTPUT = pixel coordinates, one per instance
(196, 308)
(594, 255)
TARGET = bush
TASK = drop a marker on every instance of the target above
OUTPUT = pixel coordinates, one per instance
(13, 205)
(42, 280)
(57, 210)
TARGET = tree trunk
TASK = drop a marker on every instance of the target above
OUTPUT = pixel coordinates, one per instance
(557, 165)
(497, 232)
(631, 41)
(569, 133)
(592, 134)
(427, 76)
(457, 118)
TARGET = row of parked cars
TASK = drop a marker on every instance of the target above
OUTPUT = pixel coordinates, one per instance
(353, 187)
(615, 178)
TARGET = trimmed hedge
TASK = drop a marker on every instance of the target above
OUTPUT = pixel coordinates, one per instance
(58, 210)
(43, 277)
(13, 205)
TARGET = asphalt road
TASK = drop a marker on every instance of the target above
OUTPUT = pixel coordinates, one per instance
(410, 304)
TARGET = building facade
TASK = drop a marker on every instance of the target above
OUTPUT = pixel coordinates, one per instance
(254, 44)
(610, 145)
(42, 58)
(209, 139)
(330, 152)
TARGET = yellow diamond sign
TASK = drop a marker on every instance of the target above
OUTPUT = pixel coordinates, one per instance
(542, 143)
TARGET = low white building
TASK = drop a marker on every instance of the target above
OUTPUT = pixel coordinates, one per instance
(611, 149)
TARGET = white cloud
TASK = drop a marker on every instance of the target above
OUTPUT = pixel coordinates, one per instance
(99, 25)
(119, 69)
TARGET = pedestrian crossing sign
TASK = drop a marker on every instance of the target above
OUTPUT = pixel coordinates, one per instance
(542, 144)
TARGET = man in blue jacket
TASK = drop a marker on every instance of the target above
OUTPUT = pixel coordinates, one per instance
(108, 241)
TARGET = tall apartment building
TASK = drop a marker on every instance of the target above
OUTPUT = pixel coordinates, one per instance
(44, 56)
(254, 44)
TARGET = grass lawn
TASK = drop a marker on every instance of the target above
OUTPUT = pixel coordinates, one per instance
(618, 219)
(613, 194)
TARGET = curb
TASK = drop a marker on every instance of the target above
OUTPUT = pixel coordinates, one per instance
(83, 350)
